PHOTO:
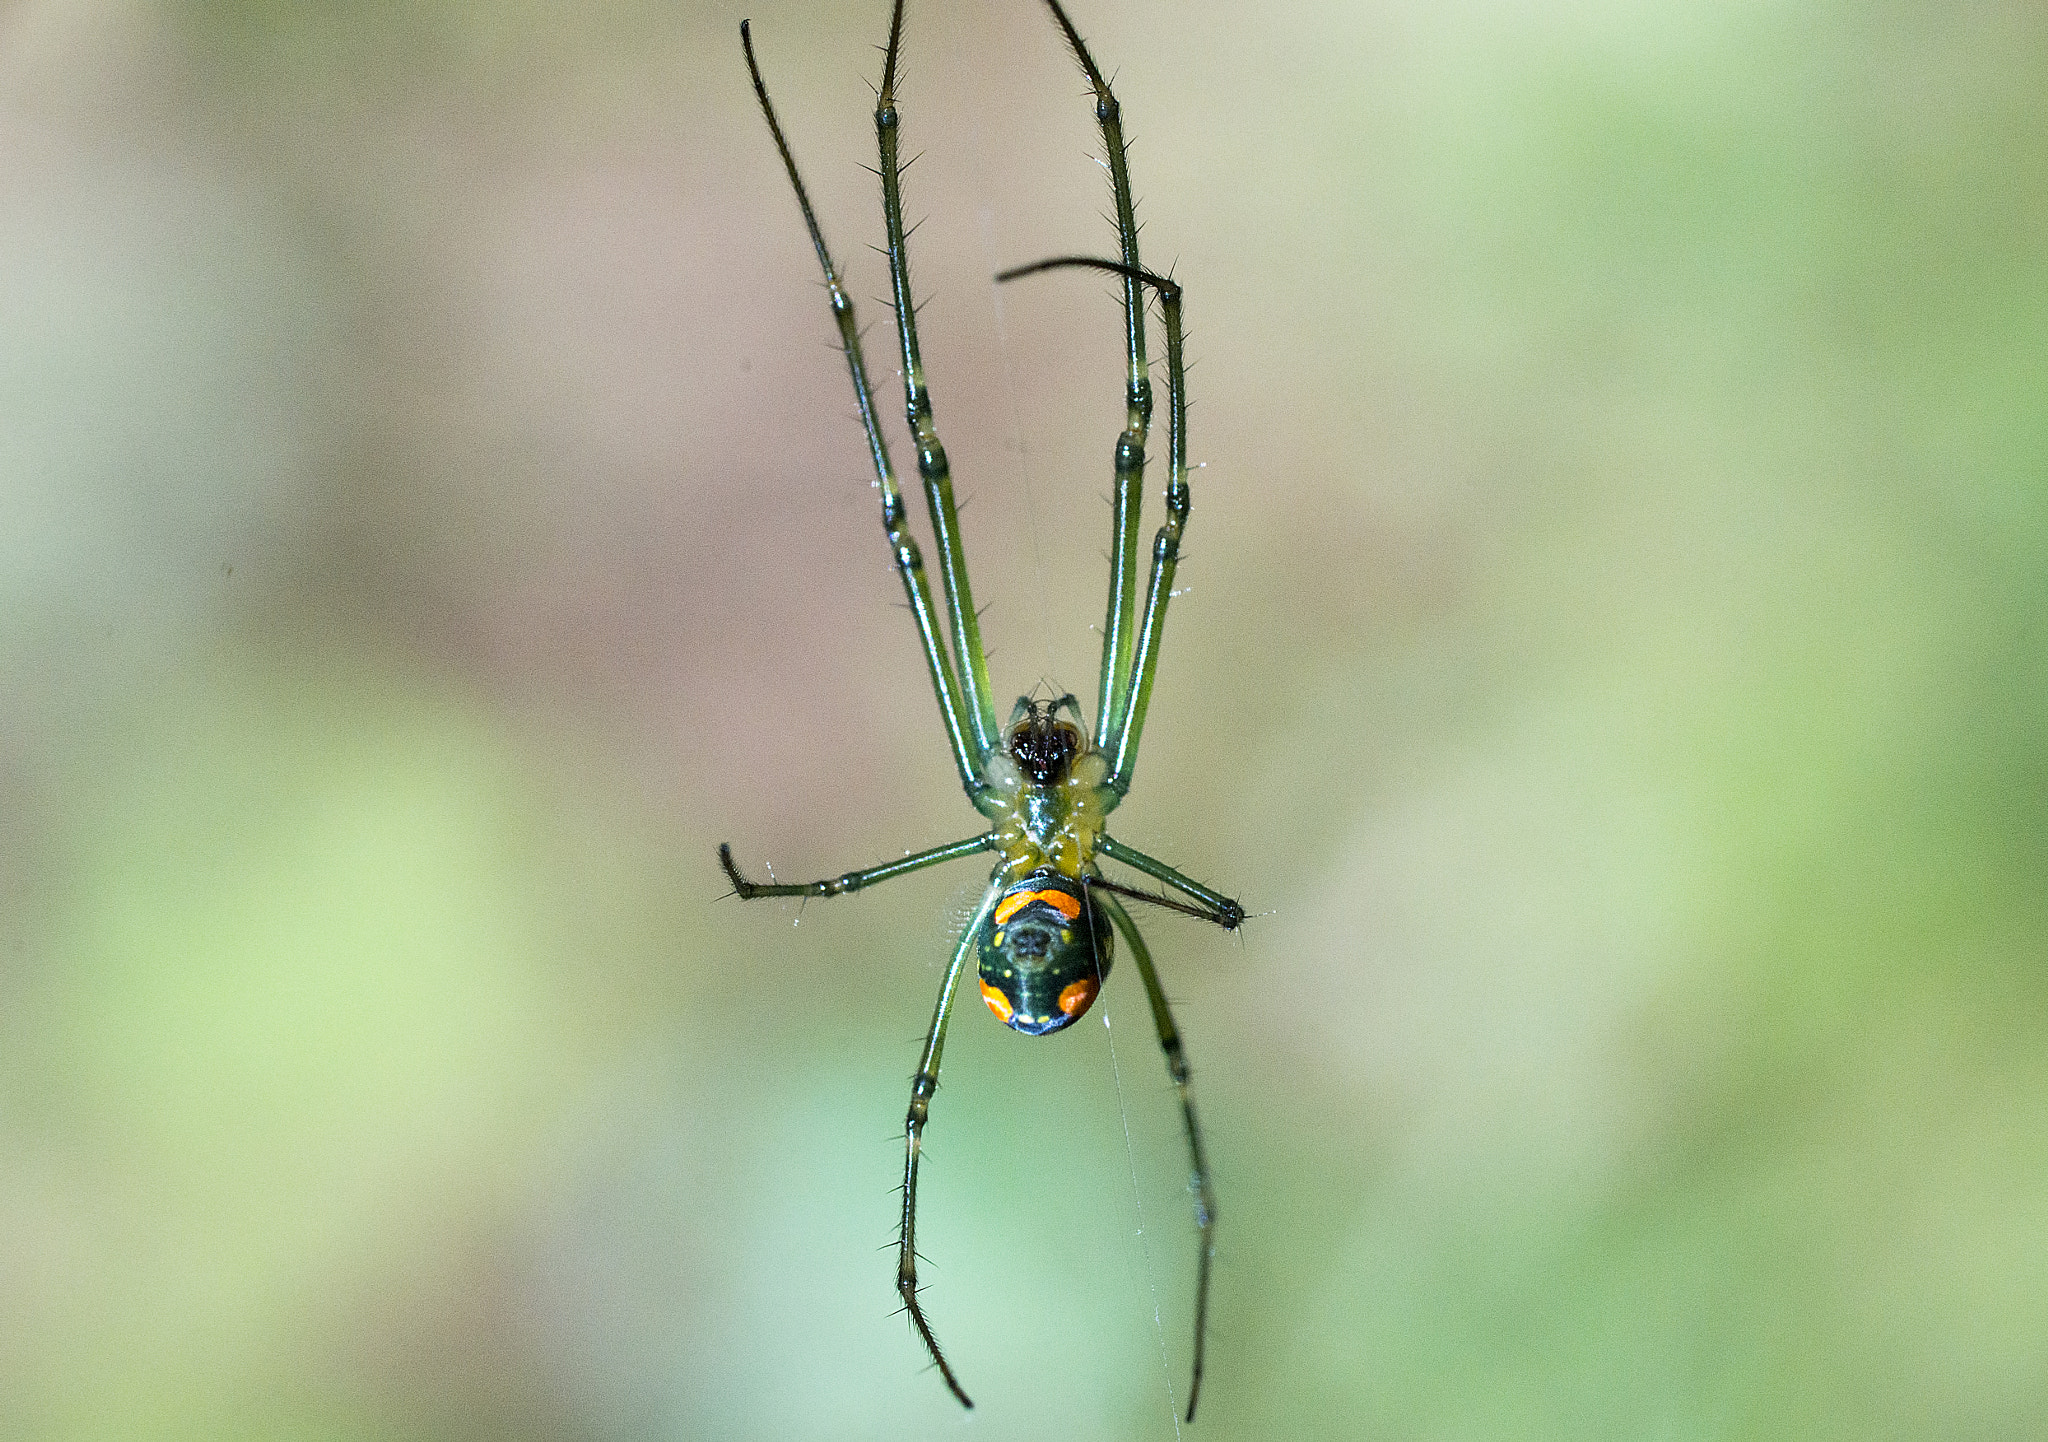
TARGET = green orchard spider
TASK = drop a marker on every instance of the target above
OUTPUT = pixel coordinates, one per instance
(1043, 934)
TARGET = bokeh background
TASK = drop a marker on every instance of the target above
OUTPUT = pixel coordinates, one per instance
(1613, 665)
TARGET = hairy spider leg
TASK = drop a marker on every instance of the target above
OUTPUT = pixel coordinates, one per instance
(1123, 746)
(1198, 1175)
(969, 751)
(1215, 906)
(852, 881)
(922, 1085)
(917, 404)
(1127, 500)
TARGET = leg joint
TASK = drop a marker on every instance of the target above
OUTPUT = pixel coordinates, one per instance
(921, 1088)
(1176, 1058)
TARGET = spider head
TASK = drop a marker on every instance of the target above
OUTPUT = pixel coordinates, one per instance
(1043, 954)
(1043, 745)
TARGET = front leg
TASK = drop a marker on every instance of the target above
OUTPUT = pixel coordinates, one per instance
(965, 728)
(969, 660)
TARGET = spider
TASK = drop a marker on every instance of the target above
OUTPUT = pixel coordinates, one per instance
(1043, 935)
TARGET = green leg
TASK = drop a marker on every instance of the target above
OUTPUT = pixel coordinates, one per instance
(853, 880)
(917, 401)
(968, 748)
(921, 1088)
(1118, 633)
(1216, 906)
(1165, 549)
(1198, 1174)
(1122, 744)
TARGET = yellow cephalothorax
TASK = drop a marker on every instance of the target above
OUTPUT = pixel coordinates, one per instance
(1053, 793)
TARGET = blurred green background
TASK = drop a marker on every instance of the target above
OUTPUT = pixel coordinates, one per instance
(1611, 665)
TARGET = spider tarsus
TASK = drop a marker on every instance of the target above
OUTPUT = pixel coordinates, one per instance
(908, 1289)
(744, 889)
(1226, 913)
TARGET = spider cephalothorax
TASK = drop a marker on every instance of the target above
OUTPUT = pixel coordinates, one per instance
(1052, 792)
(1042, 932)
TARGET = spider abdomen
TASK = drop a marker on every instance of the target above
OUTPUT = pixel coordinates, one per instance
(1043, 954)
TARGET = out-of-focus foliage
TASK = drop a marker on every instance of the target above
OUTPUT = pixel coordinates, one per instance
(1612, 668)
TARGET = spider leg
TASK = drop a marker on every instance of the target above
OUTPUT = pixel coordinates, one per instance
(853, 880)
(1215, 906)
(1118, 633)
(1198, 1175)
(968, 657)
(921, 1088)
(1122, 744)
(961, 727)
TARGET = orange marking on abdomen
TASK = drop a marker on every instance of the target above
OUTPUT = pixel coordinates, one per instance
(1060, 901)
(1075, 995)
(997, 1003)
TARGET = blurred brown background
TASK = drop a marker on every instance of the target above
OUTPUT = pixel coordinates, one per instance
(1611, 666)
